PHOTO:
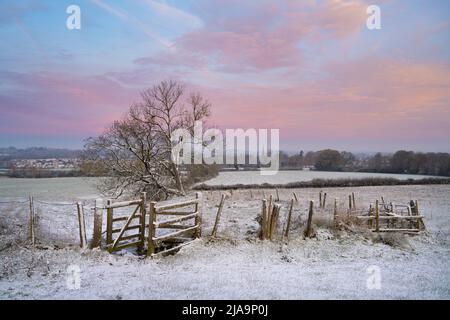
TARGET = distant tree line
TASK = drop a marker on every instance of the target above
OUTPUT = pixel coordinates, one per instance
(408, 162)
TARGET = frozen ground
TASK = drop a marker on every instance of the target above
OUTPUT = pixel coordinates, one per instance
(238, 266)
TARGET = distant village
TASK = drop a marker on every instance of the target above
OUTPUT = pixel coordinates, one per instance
(53, 164)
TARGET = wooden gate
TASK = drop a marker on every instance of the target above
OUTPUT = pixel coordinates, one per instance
(172, 240)
(115, 224)
(158, 242)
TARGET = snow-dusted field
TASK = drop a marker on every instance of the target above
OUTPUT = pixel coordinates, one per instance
(239, 266)
(283, 177)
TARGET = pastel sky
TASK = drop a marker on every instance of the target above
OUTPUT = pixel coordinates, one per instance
(310, 68)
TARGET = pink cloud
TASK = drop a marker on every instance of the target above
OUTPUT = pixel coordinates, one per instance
(266, 37)
(57, 103)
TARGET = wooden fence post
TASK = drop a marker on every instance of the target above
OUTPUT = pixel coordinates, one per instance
(269, 216)
(288, 223)
(335, 213)
(219, 212)
(350, 202)
(320, 199)
(310, 215)
(142, 220)
(274, 219)
(151, 229)
(278, 196)
(31, 221)
(295, 196)
(420, 223)
(377, 217)
(264, 220)
(324, 199)
(82, 225)
(109, 222)
(198, 218)
(98, 220)
(353, 200)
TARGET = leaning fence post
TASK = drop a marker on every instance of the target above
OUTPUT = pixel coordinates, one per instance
(264, 220)
(151, 229)
(288, 223)
(295, 196)
(82, 225)
(219, 212)
(98, 221)
(31, 221)
(310, 215)
(198, 217)
(109, 222)
(377, 217)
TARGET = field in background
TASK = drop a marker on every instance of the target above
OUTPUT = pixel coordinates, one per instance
(283, 177)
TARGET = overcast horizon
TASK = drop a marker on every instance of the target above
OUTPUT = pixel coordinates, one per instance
(311, 69)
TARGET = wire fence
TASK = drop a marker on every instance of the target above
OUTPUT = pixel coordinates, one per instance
(42, 222)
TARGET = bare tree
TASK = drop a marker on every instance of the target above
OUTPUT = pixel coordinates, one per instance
(137, 150)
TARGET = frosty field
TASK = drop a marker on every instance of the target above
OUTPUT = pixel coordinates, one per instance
(283, 177)
(237, 265)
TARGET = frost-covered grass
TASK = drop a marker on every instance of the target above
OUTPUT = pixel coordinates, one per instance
(237, 265)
